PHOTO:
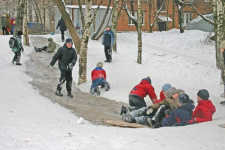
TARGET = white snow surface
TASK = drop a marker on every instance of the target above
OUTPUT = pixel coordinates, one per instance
(30, 121)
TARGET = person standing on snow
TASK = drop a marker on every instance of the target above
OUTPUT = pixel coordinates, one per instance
(3, 24)
(98, 76)
(67, 57)
(108, 41)
(62, 26)
(17, 50)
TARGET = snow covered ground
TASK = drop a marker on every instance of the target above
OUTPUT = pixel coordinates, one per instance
(30, 121)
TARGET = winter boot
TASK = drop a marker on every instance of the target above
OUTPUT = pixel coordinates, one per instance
(58, 93)
(107, 86)
(128, 118)
(18, 63)
(151, 122)
(123, 110)
(222, 102)
(97, 91)
(157, 125)
(69, 94)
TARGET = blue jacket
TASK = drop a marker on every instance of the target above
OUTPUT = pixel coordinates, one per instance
(180, 116)
(108, 38)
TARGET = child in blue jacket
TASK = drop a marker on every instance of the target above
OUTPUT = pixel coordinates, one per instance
(182, 115)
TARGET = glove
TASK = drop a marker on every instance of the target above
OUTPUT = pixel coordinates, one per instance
(70, 66)
(50, 66)
(149, 111)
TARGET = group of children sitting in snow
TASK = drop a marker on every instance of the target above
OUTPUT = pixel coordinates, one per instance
(174, 108)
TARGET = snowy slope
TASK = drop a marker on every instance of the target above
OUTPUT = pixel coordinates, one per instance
(30, 121)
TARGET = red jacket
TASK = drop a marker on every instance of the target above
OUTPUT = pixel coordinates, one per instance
(143, 89)
(204, 111)
(162, 97)
(98, 72)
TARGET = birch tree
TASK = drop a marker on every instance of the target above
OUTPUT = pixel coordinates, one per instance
(114, 23)
(69, 24)
(139, 14)
(151, 25)
(19, 17)
(84, 41)
(180, 7)
(25, 28)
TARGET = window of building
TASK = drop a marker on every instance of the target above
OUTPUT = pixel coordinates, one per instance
(187, 18)
(131, 22)
(159, 5)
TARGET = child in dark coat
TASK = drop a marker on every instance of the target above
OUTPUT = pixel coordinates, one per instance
(98, 76)
(205, 108)
(182, 115)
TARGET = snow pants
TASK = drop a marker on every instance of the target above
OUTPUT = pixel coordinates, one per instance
(17, 56)
(65, 76)
(97, 82)
(108, 53)
(140, 115)
(62, 35)
(136, 102)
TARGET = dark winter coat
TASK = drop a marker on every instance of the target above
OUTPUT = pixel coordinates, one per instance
(65, 56)
(98, 72)
(180, 116)
(204, 111)
(143, 89)
(61, 25)
(19, 42)
(108, 38)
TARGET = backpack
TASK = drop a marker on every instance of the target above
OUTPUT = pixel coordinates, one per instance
(13, 42)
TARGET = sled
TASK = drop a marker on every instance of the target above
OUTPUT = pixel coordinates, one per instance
(222, 125)
(121, 123)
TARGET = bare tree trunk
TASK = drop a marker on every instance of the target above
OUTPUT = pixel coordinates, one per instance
(180, 6)
(38, 11)
(102, 32)
(25, 28)
(114, 23)
(19, 18)
(151, 26)
(69, 24)
(220, 32)
(150, 13)
(82, 14)
(174, 14)
(167, 15)
(84, 44)
(139, 58)
(132, 17)
(93, 37)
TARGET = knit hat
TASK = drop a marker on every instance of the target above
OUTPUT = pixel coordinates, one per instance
(203, 94)
(19, 33)
(183, 99)
(171, 91)
(108, 26)
(148, 79)
(69, 40)
(222, 45)
(99, 64)
(166, 87)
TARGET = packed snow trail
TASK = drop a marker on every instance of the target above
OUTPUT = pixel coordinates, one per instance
(92, 108)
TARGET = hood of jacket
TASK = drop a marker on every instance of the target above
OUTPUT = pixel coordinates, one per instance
(50, 39)
(189, 107)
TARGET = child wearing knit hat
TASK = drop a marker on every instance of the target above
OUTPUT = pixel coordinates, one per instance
(205, 108)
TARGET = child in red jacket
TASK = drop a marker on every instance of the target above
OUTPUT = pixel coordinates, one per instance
(98, 77)
(205, 108)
